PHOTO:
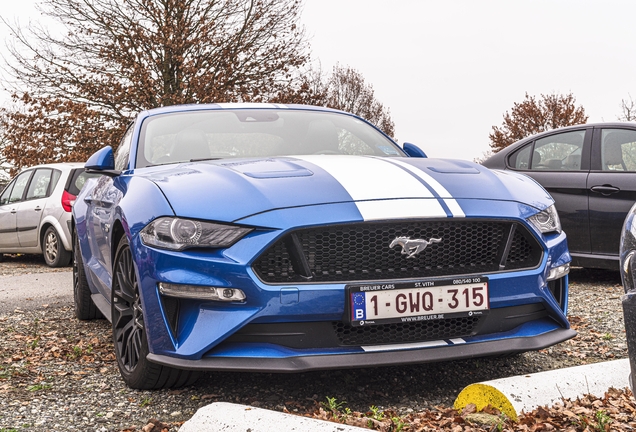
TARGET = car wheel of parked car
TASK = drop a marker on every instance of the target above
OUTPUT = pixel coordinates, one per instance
(85, 309)
(129, 335)
(54, 253)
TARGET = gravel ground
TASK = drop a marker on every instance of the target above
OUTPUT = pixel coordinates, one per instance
(57, 373)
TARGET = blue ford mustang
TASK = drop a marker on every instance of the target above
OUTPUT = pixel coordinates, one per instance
(282, 238)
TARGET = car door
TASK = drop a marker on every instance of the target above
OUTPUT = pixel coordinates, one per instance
(30, 210)
(9, 202)
(99, 215)
(612, 186)
(8, 233)
(560, 163)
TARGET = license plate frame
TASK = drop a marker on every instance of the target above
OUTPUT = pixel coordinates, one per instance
(429, 299)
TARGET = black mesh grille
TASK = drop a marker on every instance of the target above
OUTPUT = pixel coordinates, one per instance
(520, 250)
(359, 252)
(405, 332)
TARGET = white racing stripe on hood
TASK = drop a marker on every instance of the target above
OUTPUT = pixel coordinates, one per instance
(381, 190)
(452, 204)
(400, 209)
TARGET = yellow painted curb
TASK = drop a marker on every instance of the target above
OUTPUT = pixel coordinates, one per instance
(523, 393)
(483, 395)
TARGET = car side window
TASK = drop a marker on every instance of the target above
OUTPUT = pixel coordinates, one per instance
(55, 177)
(19, 185)
(6, 193)
(521, 158)
(123, 151)
(618, 150)
(39, 185)
(77, 182)
(560, 152)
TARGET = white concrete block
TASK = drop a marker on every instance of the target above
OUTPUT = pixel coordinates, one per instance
(228, 417)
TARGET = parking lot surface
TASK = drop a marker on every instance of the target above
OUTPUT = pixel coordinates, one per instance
(57, 373)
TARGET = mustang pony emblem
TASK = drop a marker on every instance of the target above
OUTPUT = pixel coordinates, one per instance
(410, 248)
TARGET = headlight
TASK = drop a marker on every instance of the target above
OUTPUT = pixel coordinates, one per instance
(628, 271)
(546, 221)
(179, 234)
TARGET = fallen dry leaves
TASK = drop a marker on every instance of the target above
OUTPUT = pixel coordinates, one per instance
(616, 411)
(31, 344)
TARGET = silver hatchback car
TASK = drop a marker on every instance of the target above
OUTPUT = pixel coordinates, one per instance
(35, 211)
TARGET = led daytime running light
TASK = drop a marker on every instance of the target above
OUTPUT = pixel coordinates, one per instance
(202, 292)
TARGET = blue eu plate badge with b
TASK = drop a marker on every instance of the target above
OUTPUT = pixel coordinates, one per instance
(358, 310)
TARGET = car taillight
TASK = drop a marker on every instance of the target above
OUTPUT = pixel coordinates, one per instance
(68, 200)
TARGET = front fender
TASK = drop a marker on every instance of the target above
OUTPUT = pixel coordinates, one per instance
(142, 202)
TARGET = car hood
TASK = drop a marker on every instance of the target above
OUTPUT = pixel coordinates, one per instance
(382, 188)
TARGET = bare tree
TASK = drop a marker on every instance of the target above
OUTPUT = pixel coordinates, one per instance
(628, 109)
(75, 92)
(532, 116)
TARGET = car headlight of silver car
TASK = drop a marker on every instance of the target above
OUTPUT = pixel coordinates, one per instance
(178, 234)
(546, 221)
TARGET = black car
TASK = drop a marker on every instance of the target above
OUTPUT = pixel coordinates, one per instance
(590, 171)
(628, 274)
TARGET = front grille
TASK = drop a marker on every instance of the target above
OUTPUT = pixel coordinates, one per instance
(360, 251)
(405, 332)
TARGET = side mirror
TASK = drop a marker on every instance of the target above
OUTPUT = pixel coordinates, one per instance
(413, 150)
(102, 162)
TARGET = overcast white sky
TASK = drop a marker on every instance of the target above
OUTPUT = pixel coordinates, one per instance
(449, 70)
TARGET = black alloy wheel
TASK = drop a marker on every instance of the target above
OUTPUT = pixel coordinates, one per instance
(129, 333)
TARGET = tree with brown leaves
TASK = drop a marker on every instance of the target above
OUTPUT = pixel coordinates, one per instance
(532, 116)
(344, 89)
(76, 92)
(348, 91)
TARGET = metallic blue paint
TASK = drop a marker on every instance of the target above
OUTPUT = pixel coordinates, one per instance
(101, 160)
(413, 150)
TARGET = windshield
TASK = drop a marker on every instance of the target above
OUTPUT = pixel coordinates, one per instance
(244, 133)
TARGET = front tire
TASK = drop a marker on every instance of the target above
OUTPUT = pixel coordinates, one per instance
(53, 249)
(129, 333)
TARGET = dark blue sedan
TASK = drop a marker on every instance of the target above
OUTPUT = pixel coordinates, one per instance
(256, 237)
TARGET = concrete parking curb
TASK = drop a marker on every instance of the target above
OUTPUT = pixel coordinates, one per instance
(527, 392)
(228, 417)
(510, 395)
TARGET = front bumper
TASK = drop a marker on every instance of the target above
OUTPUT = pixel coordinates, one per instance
(369, 359)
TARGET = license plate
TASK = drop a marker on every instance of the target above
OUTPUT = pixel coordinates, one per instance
(418, 301)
